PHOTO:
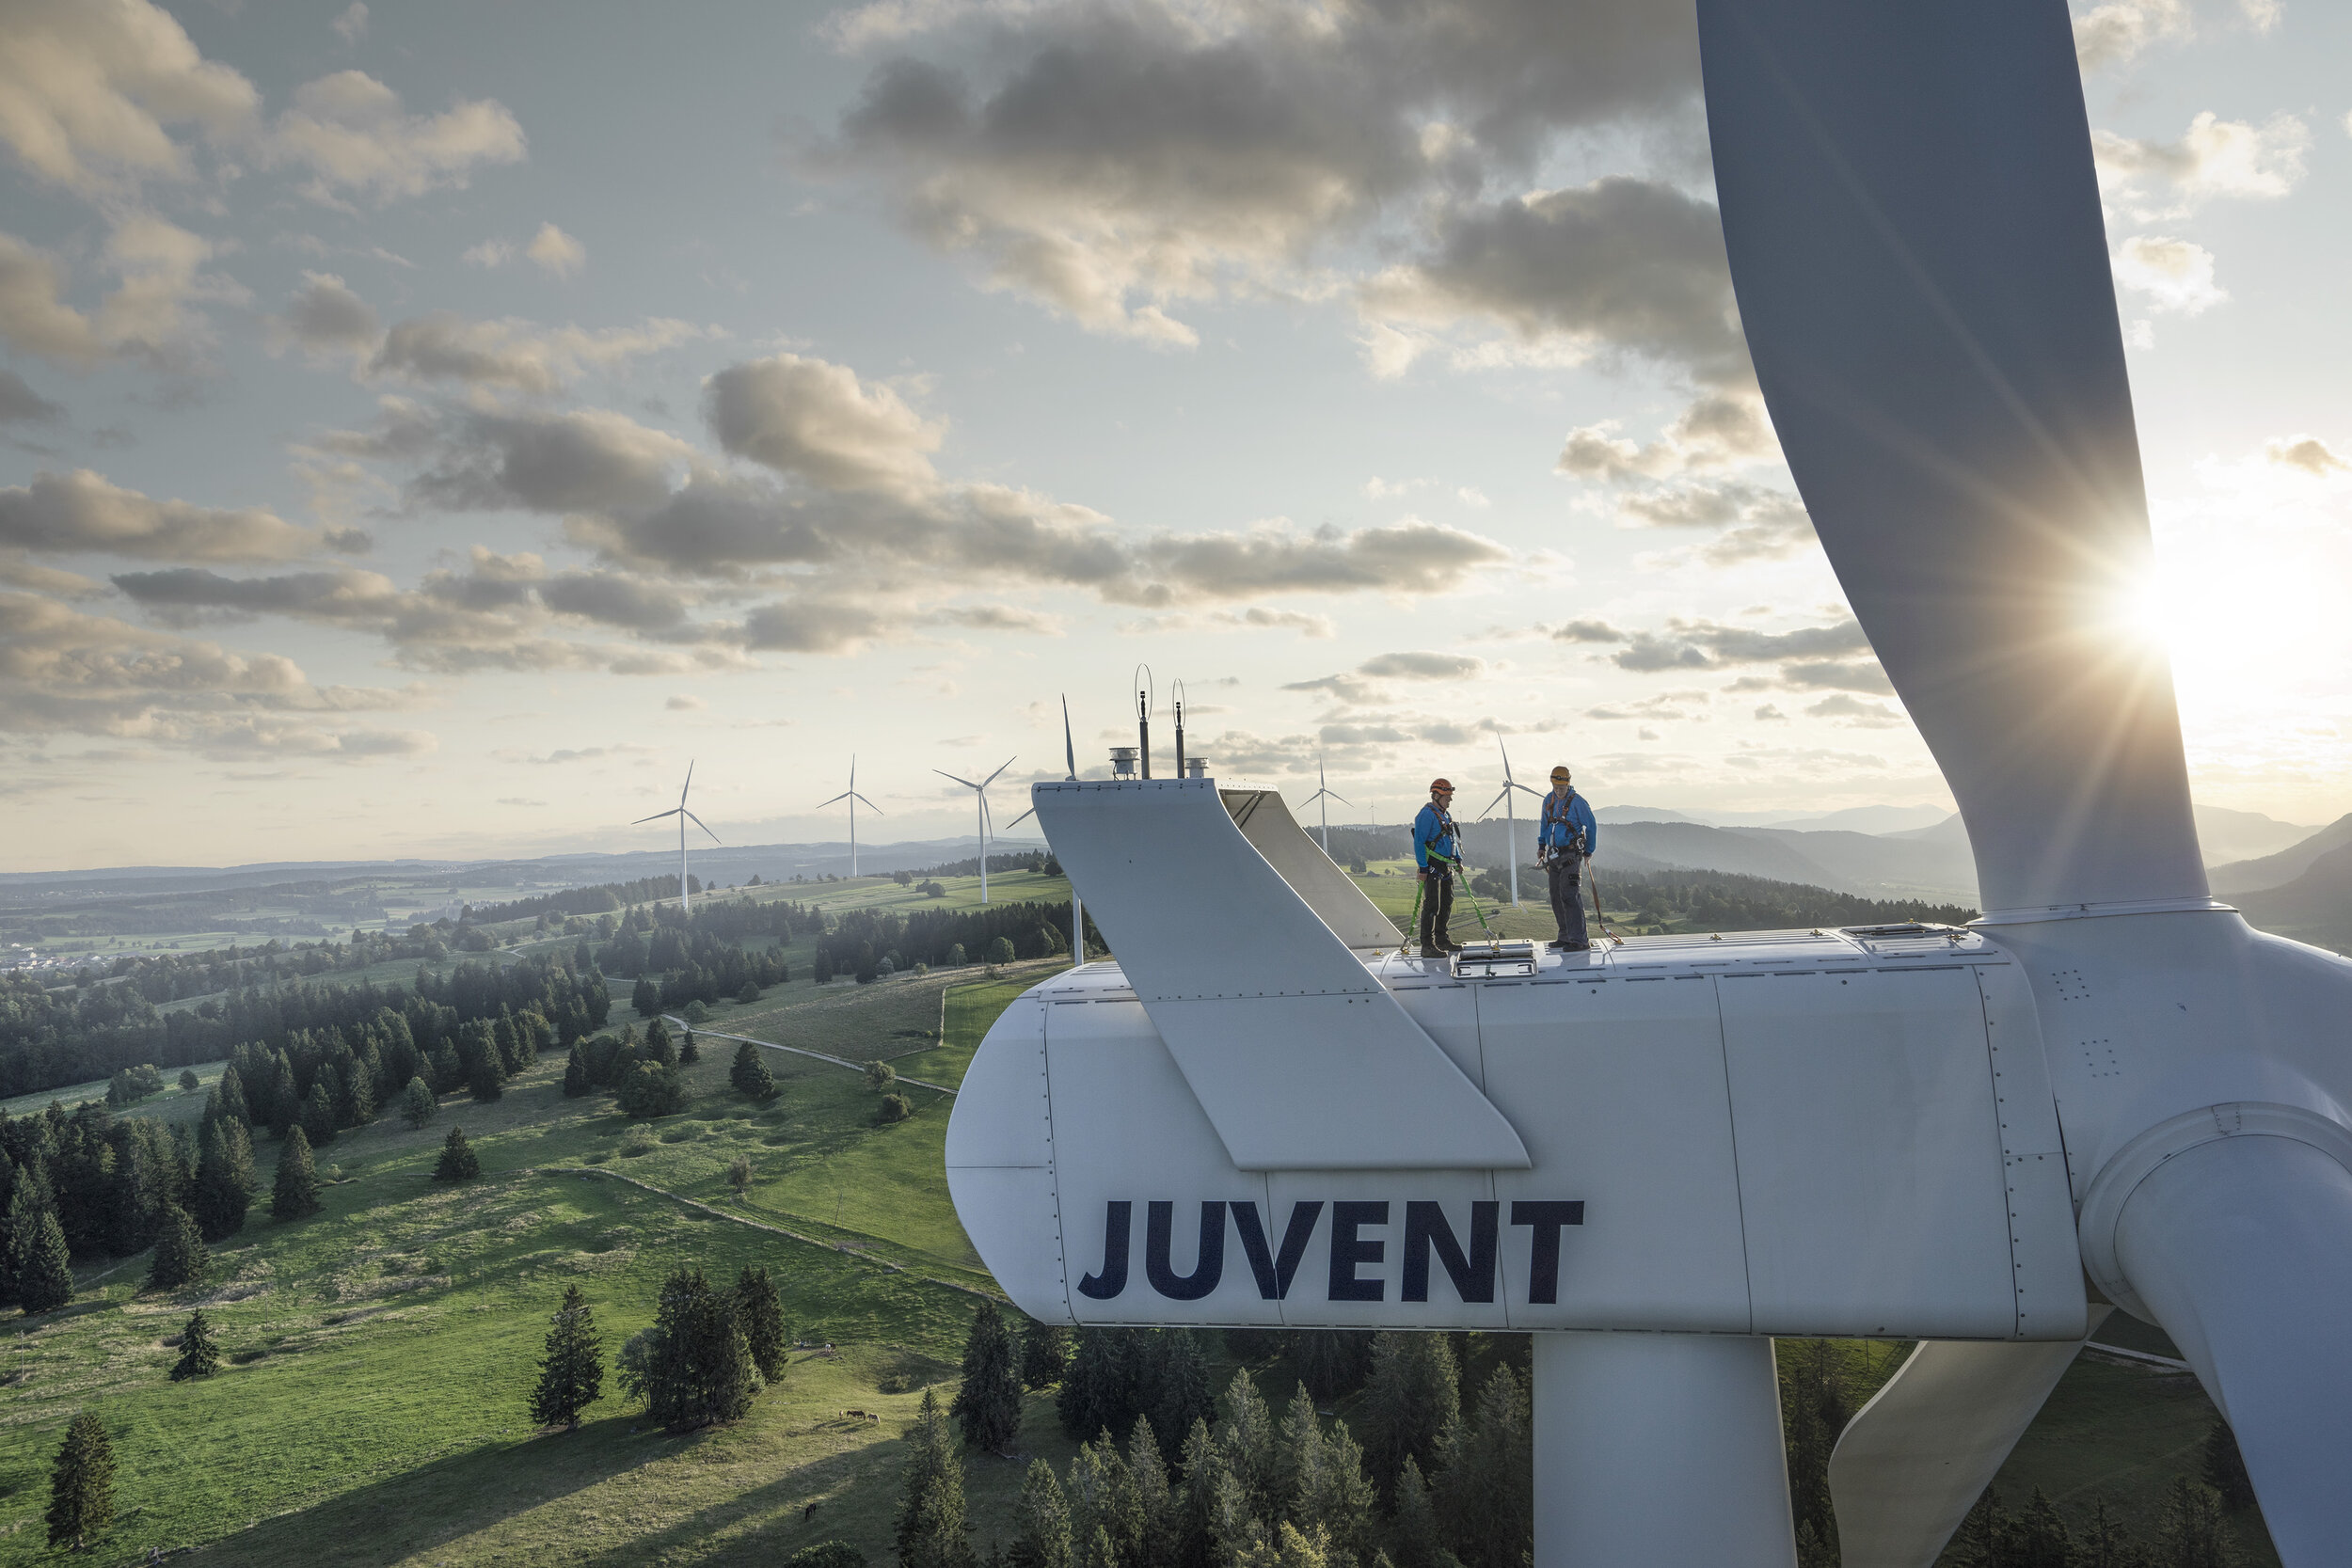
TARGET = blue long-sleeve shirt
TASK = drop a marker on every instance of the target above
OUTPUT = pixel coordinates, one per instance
(1562, 819)
(1433, 833)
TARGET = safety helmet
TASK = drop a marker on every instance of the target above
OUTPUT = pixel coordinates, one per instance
(1560, 774)
(1440, 785)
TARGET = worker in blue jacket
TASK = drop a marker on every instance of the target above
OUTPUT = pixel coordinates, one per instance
(1435, 854)
(1565, 840)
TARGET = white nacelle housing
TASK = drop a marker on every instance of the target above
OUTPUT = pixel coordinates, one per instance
(1778, 1135)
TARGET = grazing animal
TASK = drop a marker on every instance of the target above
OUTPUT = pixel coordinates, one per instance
(807, 1513)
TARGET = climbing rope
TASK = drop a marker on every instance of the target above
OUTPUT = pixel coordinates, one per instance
(1598, 918)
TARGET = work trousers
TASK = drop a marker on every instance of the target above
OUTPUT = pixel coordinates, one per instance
(1436, 908)
(1567, 897)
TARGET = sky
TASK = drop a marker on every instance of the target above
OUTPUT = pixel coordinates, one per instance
(424, 429)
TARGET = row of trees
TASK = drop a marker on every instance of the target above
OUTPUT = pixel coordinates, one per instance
(643, 1073)
(862, 940)
(708, 1353)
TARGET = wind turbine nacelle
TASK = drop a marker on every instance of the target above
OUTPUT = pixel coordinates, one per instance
(1792, 1134)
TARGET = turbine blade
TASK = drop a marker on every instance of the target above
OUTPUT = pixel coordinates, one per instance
(1022, 818)
(1500, 796)
(991, 778)
(1069, 746)
(1341, 799)
(944, 775)
(870, 806)
(1916, 243)
(823, 805)
(706, 827)
(656, 816)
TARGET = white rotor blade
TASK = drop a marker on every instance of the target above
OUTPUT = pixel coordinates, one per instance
(688, 784)
(843, 796)
(1915, 1460)
(1500, 796)
(991, 778)
(656, 816)
(1915, 238)
(944, 775)
(866, 803)
(706, 827)
(1018, 820)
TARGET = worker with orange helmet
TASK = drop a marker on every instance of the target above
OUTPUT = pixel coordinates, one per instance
(1436, 855)
(1565, 840)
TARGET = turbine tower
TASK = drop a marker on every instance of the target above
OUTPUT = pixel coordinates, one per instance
(855, 801)
(1323, 794)
(1509, 815)
(684, 817)
(980, 793)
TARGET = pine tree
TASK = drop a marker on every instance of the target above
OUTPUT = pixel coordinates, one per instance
(1322, 1478)
(643, 997)
(458, 1161)
(2225, 1467)
(179, 1255)
(2039, 1538)
(318, 1112)
(1487, 1492)
(695, 1369)
(576, 1078)
(19, 1230)
(487, 1081)
(1416, 1540)
(46, 1282)
(759, 1312)
(1413, 1394)
(689, 1052)
(417, 1103)
(1205, 1479)
(750, 1075)
(988, 1403)
(659, 1045)
(2106, 1542)
(1252, 1447)
(2192, 1533)
(1044, 1354)
(571, 1374)
(81, 1483)
(224, 1180)
(1172, 1384)
(1154, 1498)
(295, 1193)
(1044, 1521)
(1334, 1362)
(931, 1526)
(1097, 1390)
(232, 1099)
(199, 1355)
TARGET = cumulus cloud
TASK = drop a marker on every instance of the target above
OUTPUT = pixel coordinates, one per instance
(2308, 454)
(817, 422)
(352, 24)
(1755, 523)
(2118, 32)
(2175, 276)
(81, 512)
(351, 133)
(21, 405)
(1818, 657)
(2214, 159)
(1621, 267)
(556, 251)
(1854, 714)
(325, 317)
(519, 356)
(1125, 159)
(65, 672)
(149, 314)
(1717, 429)
(1422, 667)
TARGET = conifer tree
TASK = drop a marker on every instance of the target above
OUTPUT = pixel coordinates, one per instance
(2106, 1542)
(576, 1078)
(643, 997)
(295, 1193)
(179, 1256)
(1252, 1447)
(19, 1230)
(488, 1081)
(417, 1104)
(1044, 1354)
(318, 1112)
(659, 1045)
(1413, 1394)
(571, 1374)
(81, 1483)
(1172, 1384)
(2191, 1532)
(232, 1098)
(1098, 1389)
(988, 1403)
(931, 1526)
(2225, 1467)
(1415, 1538)
(750, 1075)
(46, 1282)
(458, 1161)
(1334, 1362)
(1487, 1492)
(689, 1052)
(694, 1369)
(1042, 1516)
(1154, 1498)
(224, 1180)
(1205, 1477)
(200, 1354)
(759, 1312)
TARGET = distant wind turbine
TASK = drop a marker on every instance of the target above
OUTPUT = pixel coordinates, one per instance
(1510, 816)
(980, 792)
(1077, 909)
(684, 817)
(855, 801)
(1322, 793)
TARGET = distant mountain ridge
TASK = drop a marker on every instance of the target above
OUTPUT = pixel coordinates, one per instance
(2276, 870)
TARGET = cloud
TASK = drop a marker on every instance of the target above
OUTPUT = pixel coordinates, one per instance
(2215, 159)
(1620, 266)
(556, 251)
(1587, 631)
(2307, 452)
(1716, 429)
(1757, 524)
(352, 24)
(1769, 714)
(812, 627)
(1663, 704)
(1422, 667)
(325, 317)
(999, 617)
(21, 405)
(1121, 160)
(489, 253)
(1472, 497)
(2117, 33)
(816, 421)
(589, 754)
(2175, 275)
(1854, 714)
(683, 704)
(89, 91)
(442, 345)
(350, 131)
(64, 671)
(149, 314)
(81, 512)
(1808, 657)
